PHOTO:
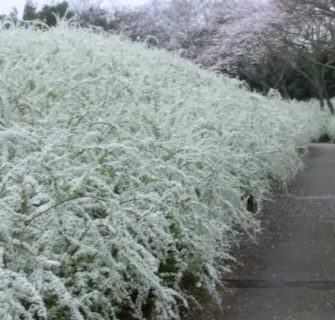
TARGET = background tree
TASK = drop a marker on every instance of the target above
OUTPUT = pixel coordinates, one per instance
(307, 44)
(287, 45)
(49, 12)
(29, 12)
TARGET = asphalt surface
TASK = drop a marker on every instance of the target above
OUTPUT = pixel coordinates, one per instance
(290, 273)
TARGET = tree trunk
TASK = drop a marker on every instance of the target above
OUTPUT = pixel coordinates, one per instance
(330, 105)
(322, 103)
(284, 92)
(326, 94)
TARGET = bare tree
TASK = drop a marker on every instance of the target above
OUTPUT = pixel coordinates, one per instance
(308, 36)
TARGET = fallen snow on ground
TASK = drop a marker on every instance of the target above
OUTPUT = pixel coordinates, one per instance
(123, 169)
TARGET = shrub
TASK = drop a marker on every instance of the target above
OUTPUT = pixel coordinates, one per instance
(331, 128)
(124, 169)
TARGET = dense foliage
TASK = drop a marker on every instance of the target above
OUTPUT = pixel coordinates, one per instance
(331, 129)
(123, 170)
(48, 14)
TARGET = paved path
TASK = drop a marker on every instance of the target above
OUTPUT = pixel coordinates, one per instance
(291, 273)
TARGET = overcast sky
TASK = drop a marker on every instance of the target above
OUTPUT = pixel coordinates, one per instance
(6, 6)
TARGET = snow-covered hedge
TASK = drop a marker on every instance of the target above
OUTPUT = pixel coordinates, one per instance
(331, 128)
(327, 121)
(124, 169)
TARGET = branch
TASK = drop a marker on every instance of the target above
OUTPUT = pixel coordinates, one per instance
(27, 222)
(321, 64)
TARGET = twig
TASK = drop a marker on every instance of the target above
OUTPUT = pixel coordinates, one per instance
(64, 201)
(50, 208)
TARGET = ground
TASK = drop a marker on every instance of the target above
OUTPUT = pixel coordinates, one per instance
(290, 273)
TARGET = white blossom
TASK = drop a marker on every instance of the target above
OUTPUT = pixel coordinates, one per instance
(122, 169)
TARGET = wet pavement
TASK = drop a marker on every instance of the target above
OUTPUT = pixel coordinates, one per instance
(290, 273)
